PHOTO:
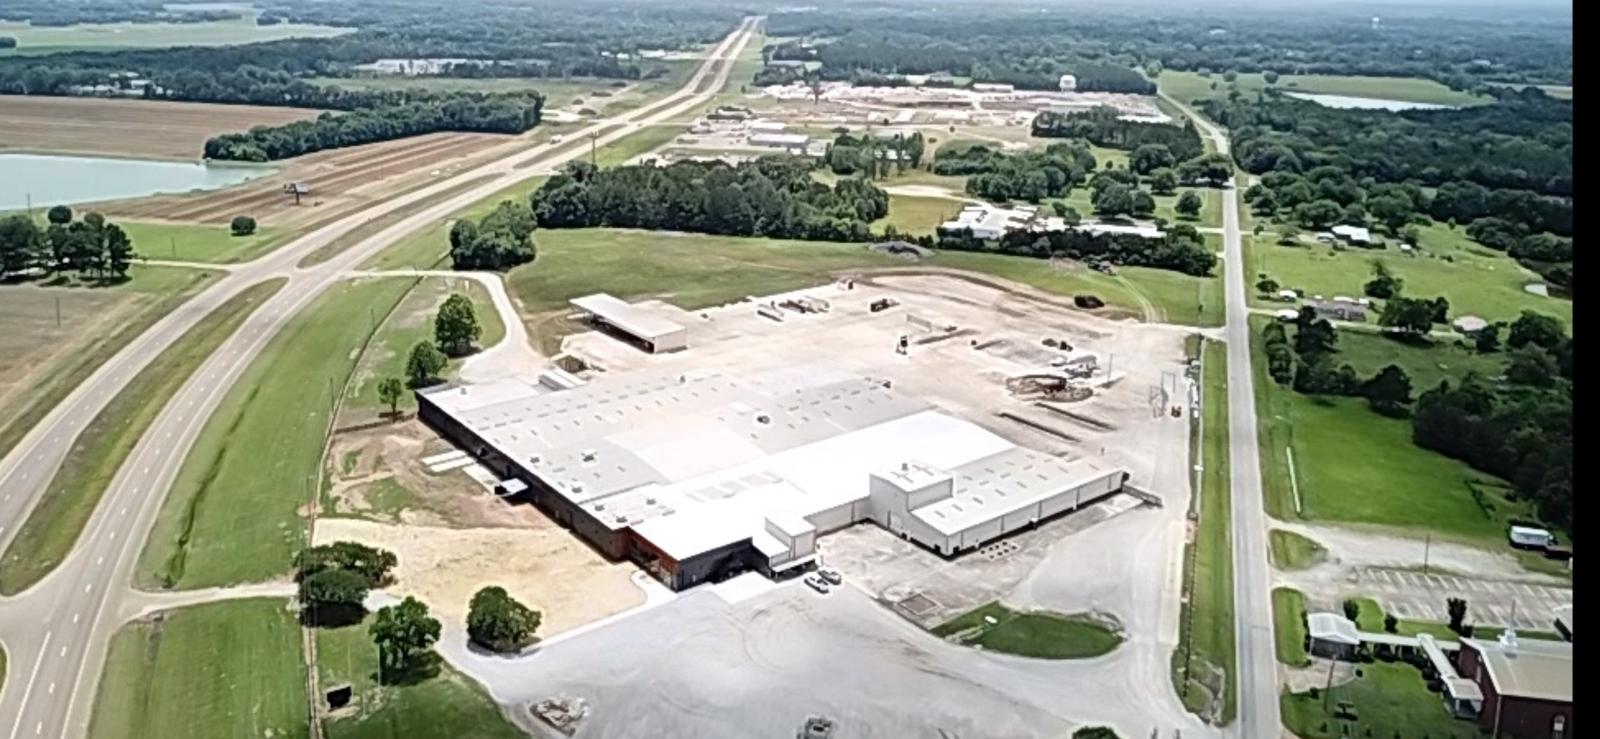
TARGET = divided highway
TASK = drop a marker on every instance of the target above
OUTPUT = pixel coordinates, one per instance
(56, 633)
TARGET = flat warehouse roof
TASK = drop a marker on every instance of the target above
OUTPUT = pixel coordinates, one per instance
(626, 316)
(999, 484)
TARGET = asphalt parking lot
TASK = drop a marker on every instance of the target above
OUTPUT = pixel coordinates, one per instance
(1413, 595)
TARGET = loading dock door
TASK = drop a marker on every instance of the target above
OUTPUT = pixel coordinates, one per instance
(897, 524)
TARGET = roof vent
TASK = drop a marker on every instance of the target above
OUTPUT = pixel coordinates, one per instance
(599, 507)
(649, 501)
(1508, 642)
(587, 455)
(763, 419)
(535, 459)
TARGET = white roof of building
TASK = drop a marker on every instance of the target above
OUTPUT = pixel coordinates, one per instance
(626, 316)
(1353, 233)
(780, 139)
(999, 484)
(1528, 668)
(1332, 627)
(1149, 232)
(1470, 324)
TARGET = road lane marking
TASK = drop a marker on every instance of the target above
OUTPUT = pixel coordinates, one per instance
(44, 649)
(75, 617)
(52, 689)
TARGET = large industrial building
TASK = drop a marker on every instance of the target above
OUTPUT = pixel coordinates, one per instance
(698, 476)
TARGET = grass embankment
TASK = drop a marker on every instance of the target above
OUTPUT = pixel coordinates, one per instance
(1288, 626)
(94, 458)
(642, 141)
(223, 669)
(372, 227)
(1397, 484)
(1190, 86)
(152, 293)
(189, 242)
(446, 706)
(1040, 634)
(430, 247)
(1475, 279)
(1205, 660)
(1291, 551)
(407, 324)
(233, 514)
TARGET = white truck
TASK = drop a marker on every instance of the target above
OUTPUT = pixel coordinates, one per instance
(1527, 537)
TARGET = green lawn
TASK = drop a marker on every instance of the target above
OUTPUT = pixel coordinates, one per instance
(150, 293)
(447, 706)
(429, 247)
(917, 215)
(95, 456)
(1189, 86)
(407, 324)
(233, 513)
(226, 669)
(1390, 699)
(1476, 280)
(1038, 634)
(1396, 484)
(1207, 636)
(189, 242)
(1291, 551)
(1371, 615)
(105, 36)
(1288, 626)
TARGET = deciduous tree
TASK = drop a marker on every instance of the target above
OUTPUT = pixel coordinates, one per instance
(497, 621)
(455, 326)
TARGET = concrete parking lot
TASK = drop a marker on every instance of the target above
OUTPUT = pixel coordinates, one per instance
(1412, 595)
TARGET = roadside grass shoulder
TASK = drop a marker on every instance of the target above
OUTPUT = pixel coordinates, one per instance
(642, 141)
(1039, 634)
(430, 247)
(1291, 551)
(222, 669)
(152, 293)
(234, 513)
(447, 706)
(1288, 626)
(1206, 658)
(99, 451)
(917, 215)
(411, 322)
(192, 242)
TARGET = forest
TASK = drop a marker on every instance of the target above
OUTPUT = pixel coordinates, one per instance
(772, 196)
(1030, 176)
(1023, 42)
(505, 113)
(56, 13)
(1105, 127)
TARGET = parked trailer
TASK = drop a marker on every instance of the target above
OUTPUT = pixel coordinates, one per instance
(1527, 537)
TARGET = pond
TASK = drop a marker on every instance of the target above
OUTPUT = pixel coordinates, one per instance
(49, 179)
(1350, 101)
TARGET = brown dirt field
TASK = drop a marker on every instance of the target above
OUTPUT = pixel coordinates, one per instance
(31, 341)
(340, 180)
(548, 569)
(127, 127)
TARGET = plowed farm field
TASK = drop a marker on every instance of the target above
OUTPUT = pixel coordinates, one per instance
(136, 128)
(338, 180)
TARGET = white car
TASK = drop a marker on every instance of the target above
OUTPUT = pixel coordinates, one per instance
(830, 575)
(817, 583)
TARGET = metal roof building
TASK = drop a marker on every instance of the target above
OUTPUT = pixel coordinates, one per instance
(698, 476)
(654, 333)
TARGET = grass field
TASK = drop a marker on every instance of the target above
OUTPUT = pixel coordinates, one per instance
(1391, 700)
(103, 36)
(429, 247)
(1030, 633)
(224, 669)
(95, 456)
(641, 141)
(1189, 86)
(447, 706)
(188, 242)
(410, 322)
(50, 359)
(1476, 280)
(1207, 636)
(917, 215)
(1397, 484)
(1288, 626)
(233, 513)
(1291, 551)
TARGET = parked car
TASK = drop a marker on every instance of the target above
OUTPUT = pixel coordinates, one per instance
(831, 575)
(817, 583)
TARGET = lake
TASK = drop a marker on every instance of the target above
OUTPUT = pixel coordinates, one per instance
(57, 180)
(1350, 101)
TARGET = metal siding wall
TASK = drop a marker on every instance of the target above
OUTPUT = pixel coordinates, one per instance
(833, 519)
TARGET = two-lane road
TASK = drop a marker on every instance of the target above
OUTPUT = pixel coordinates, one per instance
(56, 633)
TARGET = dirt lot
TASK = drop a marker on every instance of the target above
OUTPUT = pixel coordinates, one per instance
(127, 127)
(547, 568)
(339, 181)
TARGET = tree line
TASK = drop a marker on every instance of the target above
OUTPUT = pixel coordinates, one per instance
(1104, 126)
(1180, 249)
(504, 113)
(502, 239)
(1517, 427)
(90, 247)
(874, 156)
(771, 196)
(53, 14)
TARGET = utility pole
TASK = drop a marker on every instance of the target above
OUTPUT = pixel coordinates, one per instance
(1427, 544)
(593, 137)
(1328, 689)
(58, 311)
